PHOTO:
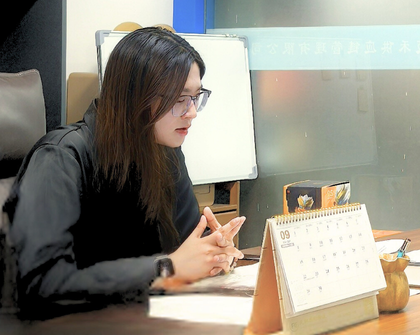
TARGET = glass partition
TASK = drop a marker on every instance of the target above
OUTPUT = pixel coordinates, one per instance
(336, 97)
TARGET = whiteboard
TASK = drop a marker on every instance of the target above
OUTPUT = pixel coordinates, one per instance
(220, 145)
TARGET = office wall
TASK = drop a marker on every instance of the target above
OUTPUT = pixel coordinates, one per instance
(294, 109)
(84, 18)
(58, 37)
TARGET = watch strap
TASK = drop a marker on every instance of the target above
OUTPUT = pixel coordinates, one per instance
(164, 267)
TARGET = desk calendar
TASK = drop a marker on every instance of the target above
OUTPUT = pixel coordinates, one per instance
(319, 271)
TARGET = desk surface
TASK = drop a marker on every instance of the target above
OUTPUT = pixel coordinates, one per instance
(414, 235)
(131, 319)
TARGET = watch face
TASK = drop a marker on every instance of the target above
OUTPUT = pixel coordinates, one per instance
(164, 267)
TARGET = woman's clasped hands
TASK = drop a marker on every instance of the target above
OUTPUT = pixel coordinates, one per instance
(200, 257)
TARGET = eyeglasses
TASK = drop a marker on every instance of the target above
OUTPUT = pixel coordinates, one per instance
(184, 102)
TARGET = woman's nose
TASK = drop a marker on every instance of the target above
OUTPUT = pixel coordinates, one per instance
(191, 112)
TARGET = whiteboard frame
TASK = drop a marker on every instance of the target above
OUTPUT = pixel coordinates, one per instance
(230, 151)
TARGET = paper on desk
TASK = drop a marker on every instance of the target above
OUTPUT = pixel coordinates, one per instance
(413, 275)
(211, 307)
(202, 308)
(414, 257)
(389, 246)
(414, 291)
(241, 278)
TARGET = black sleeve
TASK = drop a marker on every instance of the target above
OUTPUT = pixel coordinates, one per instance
(47, 206)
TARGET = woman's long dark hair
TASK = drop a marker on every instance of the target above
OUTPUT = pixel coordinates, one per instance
(148, 67)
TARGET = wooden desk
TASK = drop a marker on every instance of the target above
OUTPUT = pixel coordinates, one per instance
(127, 320)
(414, 235)
(405, 322)
(131, 319)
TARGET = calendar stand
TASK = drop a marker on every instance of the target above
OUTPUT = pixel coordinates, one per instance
(268, 314)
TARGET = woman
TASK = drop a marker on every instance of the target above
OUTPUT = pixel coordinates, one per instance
(98, 203)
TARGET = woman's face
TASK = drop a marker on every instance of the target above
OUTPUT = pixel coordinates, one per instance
(171, 130)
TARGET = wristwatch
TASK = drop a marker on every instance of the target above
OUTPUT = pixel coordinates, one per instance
(164, 267)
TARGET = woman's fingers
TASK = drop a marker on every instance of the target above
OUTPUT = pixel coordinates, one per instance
(233, 252)
(199, 256)
(230, 230)
(225, 266)
(201, 227)
(215, 271)
(220, 258)
(212, 222)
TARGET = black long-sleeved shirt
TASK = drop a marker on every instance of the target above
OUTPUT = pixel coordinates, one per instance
(75, 242)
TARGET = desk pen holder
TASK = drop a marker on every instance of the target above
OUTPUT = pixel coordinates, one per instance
(395, 297)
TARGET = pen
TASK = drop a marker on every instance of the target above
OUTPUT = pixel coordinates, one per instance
(404, 247)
